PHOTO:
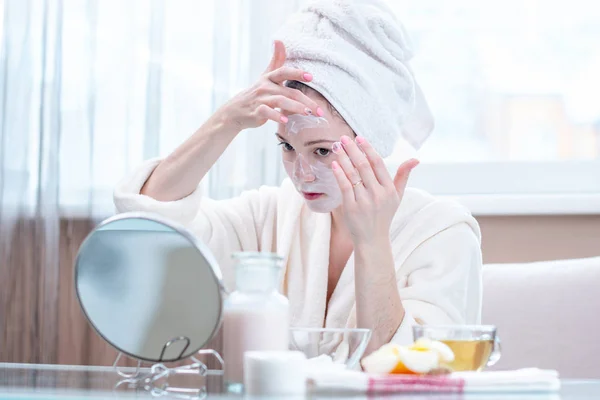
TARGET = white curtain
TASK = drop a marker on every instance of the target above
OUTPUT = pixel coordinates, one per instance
(91, 88)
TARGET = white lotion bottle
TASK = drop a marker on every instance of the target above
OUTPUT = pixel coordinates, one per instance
(256, 315)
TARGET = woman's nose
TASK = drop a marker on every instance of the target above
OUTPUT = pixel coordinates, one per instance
(305, 175)
(304, 170)
(309, 177)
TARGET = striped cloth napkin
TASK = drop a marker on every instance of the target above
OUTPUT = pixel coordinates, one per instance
(531, 380)
(414, 383)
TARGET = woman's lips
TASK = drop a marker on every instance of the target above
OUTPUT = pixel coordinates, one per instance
(311, 196)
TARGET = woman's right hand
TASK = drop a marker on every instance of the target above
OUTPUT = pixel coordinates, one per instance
(179, 174)
(268, 98)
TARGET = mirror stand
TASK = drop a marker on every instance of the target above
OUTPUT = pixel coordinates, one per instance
(155, 380)
(155, 320)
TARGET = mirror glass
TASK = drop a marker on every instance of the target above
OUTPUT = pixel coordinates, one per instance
(149, 288)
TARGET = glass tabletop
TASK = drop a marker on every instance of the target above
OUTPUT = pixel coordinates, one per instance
(30, 381)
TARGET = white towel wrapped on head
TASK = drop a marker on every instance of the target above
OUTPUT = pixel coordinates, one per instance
(358, 53)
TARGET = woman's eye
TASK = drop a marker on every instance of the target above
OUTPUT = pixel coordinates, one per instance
(286, 146)
(323, 152)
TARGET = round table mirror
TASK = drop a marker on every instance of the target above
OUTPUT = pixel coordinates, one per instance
(149, 287)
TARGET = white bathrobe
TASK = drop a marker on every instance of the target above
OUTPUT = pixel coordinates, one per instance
(435, 244)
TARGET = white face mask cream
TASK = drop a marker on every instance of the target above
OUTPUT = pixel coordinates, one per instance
(312, 177)
(298, 122)
(316, 182)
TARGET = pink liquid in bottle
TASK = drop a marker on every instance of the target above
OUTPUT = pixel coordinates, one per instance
(256, 315)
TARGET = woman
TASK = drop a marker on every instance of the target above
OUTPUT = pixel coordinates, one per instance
(360, 250)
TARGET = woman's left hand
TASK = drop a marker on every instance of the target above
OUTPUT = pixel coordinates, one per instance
(370, 196)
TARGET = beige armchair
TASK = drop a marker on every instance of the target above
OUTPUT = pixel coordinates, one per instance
(547, 314)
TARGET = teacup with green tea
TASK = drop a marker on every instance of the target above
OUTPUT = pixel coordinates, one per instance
(475, 346)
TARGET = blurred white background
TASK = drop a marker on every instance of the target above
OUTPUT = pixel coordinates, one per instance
(513, 80)
(90, 88)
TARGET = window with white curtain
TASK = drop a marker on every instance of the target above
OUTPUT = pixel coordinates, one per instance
(513, 85)
(137, 81)
(90, 89)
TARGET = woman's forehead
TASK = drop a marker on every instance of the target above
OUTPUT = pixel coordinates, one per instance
(332, 127)
(310, 134)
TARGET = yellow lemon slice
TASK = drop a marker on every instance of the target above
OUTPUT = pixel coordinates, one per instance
(416, 361)
(445, 353)
(382, 361)
(421, 357)
(394, 359)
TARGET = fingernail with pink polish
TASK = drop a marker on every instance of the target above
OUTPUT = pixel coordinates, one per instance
(336, 147)
(307, 76)
(345, 139)
(360, 140)
(320, 112)
(284, 119)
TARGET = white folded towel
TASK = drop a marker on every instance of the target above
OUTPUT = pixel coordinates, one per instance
(531, 380)
(358, 53)
(528, 379)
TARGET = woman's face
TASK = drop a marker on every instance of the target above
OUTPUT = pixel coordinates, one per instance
(307, 158)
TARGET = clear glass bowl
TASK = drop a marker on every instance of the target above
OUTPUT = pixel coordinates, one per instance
(342, 346)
